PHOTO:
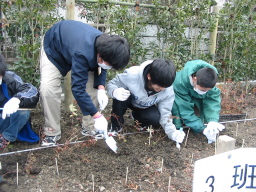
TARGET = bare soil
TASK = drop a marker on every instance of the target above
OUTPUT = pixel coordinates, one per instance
(141, 164)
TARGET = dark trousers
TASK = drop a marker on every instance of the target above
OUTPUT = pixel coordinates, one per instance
(145, 117)
(10, 126)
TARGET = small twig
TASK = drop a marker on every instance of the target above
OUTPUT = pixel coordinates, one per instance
(126, 177)
(56, 161)
(150, 133)
(17, 173)
(186, 138)
(215, 145)
(162, 165)
(236, 129)
(92, 183)
(169, 185)
(243, 144)
(245, 118)
(192, 158)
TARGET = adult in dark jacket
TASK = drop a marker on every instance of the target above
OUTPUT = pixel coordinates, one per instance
(197, 100)
(14, 94)
(88, 53)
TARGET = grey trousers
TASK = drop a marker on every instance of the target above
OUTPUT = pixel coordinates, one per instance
(50, 97)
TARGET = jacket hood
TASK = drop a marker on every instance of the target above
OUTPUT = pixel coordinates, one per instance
(195, 65)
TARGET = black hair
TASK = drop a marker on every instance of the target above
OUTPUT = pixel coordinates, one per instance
(113, 49)
(162, 72)
(206, 77)
(3, 65)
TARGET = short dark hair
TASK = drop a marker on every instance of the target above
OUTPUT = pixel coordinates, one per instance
(162, 72)
(206, 77)
(3, 65)
(113, 49)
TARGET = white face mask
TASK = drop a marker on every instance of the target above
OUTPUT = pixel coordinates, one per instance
(199, 91)
(104, 66)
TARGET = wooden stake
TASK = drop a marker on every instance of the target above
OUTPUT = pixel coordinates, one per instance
(225, 143)
(56, 161)
(169, 185)
(126, 177)
(236, 128)
(92, 183)
(186, 138)
(17, 173)
(162, 165)
(245, 118)
(192, 158)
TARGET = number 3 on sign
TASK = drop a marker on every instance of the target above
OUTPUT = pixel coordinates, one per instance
(210, 181)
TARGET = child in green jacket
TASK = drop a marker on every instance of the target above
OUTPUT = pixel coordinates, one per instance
(197, 100)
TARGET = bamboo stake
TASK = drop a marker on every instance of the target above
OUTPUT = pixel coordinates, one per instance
(56, 161)
(126, 176)
(17, 173)
(191, 162)
(243, 144)
(22, 109)
(186, 138)
(93, 183)
(169, 185)
(236, 129)
(162, 165)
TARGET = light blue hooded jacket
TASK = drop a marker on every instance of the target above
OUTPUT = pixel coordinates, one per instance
(132, 79)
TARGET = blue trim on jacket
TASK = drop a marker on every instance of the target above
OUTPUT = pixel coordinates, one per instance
(26, 134)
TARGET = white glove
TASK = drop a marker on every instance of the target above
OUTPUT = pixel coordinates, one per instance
(102, 98)
(121, 94)
(10, 107)
(178, 136)
(213, 128)
(101, 124)
(213, 124)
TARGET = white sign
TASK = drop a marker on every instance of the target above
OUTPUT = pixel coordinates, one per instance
(226, 172)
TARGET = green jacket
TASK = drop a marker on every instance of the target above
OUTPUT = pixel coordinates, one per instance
(208, 104)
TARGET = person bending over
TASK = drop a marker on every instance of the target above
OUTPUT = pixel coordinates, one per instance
(197, 100)
(147, 90)
(87, 52)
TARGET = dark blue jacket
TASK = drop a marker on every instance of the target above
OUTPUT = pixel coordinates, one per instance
(70, 45)
(13, 86)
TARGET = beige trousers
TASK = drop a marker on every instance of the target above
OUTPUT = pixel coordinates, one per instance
(50, 97)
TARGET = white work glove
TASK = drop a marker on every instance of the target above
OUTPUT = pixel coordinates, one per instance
(121, 94)
(178, 136)
(10, 107)
(213, 124)
(101, 124)
(212, 130)
(102, 98)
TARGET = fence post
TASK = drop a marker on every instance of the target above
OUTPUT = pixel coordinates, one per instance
(70, 15)
(224, 144)
(213, 34)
